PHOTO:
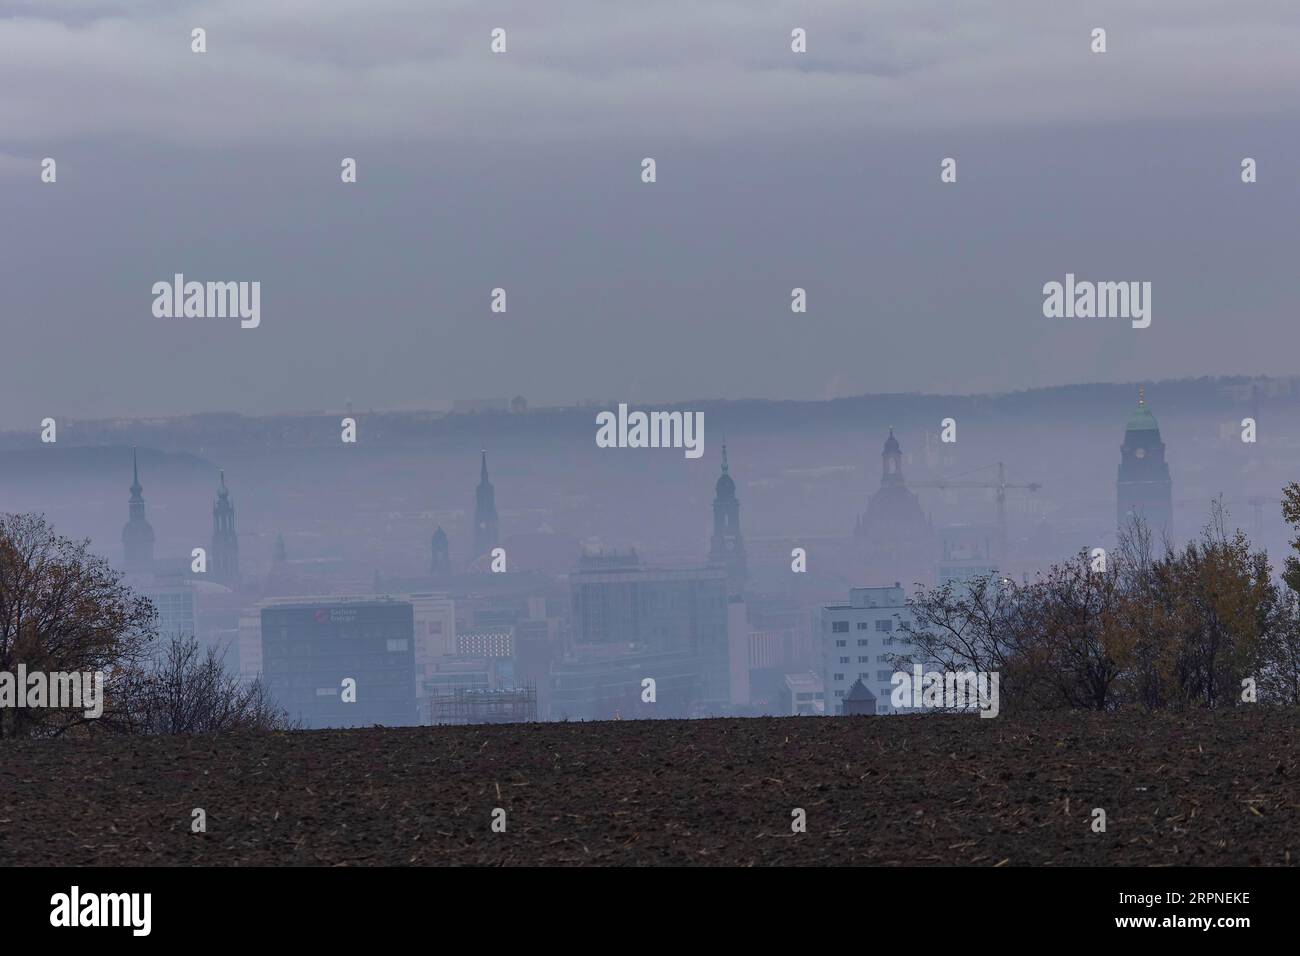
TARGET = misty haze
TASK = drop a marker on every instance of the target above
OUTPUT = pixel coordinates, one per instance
(649, 433)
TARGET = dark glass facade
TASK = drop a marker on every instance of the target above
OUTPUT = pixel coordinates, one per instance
(308, 650)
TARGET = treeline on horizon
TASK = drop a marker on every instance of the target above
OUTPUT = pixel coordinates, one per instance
(1066, 403)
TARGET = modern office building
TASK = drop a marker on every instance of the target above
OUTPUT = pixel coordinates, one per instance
(310, 651)
(604, 683)
(621, 609)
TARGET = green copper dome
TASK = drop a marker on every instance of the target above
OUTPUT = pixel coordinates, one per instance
(1142, 420)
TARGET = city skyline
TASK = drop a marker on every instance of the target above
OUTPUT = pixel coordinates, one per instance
(526, 434)
(726, 545)
(660, 434)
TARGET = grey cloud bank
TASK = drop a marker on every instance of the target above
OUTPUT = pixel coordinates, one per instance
(417, 71)
(521, 171)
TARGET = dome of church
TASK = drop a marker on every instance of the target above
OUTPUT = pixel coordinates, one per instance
(894, 530)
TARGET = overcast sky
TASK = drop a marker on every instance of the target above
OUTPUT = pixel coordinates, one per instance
(522, 171)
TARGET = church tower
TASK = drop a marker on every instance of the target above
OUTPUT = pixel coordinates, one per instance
(137, 535)
(1144, 488)
(225, 545)
(891, 463)
(440, 556)
(485, 513)
(727, 547)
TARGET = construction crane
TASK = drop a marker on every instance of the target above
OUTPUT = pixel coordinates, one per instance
(1000, 494)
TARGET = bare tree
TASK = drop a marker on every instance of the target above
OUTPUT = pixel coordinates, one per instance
(188, 690)
(974, 625)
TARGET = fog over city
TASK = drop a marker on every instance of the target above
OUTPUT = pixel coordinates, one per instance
(694, 432)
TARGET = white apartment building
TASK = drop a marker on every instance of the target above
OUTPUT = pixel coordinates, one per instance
(857, 640)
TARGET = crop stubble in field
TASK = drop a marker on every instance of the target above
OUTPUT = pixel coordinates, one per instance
(1196, 789)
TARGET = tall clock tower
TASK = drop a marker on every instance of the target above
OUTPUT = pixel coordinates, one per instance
(1144, 489)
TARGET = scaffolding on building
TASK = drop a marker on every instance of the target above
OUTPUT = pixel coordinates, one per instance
(475, 705)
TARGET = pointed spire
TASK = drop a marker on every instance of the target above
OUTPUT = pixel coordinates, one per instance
(485, 512)
(1142, 394)
(724, 457)
(137, 536)
(136, 488)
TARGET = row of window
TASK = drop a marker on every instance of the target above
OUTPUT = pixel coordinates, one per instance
(866, 659)
(883, 676)
(884, 625)
(286, 678)
(889, 641)
(863, 642)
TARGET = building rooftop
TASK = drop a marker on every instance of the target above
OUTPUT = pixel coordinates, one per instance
(859, 691)
(877, 597)
(1142, 420)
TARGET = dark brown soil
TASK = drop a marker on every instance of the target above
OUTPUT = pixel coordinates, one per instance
(1199, 789)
